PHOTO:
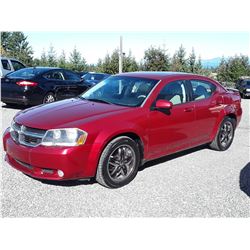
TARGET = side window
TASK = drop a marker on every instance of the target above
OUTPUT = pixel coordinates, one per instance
(5, 64)
(17, 65)
(71, 76)
(202, 89)
(174, 92)
(54, 75)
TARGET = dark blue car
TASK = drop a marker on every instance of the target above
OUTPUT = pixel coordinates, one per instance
(91, 78)
(33, 86)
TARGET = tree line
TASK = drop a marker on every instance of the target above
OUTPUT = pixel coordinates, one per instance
(15, 44)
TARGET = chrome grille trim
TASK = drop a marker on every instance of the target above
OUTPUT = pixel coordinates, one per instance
(30, 137)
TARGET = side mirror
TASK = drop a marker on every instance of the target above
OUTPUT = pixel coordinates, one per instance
(163, 104)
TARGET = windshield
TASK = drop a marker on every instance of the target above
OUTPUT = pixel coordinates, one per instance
(27, 73)
(121, 90)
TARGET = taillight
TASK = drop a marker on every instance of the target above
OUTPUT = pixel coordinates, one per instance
(26, 83)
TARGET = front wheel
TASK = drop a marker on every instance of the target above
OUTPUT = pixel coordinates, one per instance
(225, 135)
(119, 162)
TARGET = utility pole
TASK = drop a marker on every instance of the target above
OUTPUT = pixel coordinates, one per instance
(120, 56)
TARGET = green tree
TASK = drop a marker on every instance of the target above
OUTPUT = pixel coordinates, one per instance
(51, 57)
(62, 62)
(110, 63)
(192, 62)
(198, 69)
(15, 45)
(77, 63)
(231, 69)
(156, 59)
(179, 61)
(43, 59)
(114, 62)
(129, 63)
(36, 62)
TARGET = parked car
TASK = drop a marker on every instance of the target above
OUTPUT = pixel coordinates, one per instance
(32, 86)
(8, 65)
(91, 78)
(243, 85)
(109, 131)
(82, 74)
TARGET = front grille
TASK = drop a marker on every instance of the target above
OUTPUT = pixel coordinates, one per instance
(27, 136)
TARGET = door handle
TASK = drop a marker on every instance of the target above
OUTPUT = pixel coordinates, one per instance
(190, 109)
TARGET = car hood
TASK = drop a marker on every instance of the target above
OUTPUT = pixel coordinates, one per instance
(61, 113)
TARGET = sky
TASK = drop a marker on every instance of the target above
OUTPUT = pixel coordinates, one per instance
(95, 45)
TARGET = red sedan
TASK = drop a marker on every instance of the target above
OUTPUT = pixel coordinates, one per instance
(119, 124)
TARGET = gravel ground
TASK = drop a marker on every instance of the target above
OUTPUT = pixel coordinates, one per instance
(197, 183)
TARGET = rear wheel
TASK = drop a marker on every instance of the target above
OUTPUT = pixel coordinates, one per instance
(225, 135)
(49, 97)
(119, 163)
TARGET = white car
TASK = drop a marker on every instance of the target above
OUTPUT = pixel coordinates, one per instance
(8, 65)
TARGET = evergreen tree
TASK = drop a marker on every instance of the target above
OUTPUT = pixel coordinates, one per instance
(179, 62)
(44, 59)
(110, 63)
(156, 59)
(51, 57)
(62, 63)
(230, 70)
(198, 69)
(192, 62)
(114, 62)
(77, 63)
(129, 63)
(36, 62)
(15, 45)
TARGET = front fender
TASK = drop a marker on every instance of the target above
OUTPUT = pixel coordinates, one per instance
(105, 136)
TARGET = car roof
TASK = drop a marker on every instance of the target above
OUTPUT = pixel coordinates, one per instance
(45, 68)
(9, 58)
(157, 75)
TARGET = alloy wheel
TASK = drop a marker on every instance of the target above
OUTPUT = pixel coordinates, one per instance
(121, 163)
(226, 134)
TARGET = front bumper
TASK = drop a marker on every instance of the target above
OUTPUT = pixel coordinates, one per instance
(44, 162)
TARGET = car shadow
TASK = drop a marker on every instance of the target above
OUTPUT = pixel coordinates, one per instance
(70, 183)
(14, 106)
(171, 157)
(245, 179)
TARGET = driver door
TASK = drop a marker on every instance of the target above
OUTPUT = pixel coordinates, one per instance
(172, 130)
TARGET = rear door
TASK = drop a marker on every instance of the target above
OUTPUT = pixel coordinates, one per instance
(55, 81)
(207, 103)
(75, 83)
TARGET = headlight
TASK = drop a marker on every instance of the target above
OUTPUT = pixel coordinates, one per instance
(64, 137)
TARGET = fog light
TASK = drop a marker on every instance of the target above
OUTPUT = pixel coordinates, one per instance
(60, 173)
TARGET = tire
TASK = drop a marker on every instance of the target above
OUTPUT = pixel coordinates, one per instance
(225, 135)
(49, 97)
(119, 162)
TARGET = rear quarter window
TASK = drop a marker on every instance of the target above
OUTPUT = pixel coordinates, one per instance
(202, 89)
(17, 65)
(5, 64)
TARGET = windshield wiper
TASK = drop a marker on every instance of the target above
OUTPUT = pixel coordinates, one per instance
(98, 100)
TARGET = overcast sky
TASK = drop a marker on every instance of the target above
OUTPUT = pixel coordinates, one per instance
(94, 45)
